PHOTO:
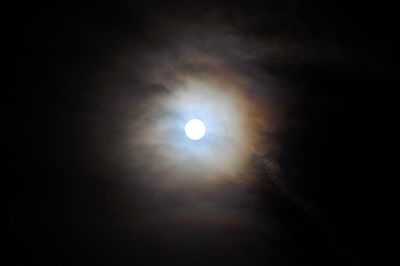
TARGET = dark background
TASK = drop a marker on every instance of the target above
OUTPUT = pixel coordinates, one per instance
(63, 214)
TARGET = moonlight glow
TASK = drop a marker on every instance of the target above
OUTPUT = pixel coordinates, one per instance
(235, 109)
(195, 129)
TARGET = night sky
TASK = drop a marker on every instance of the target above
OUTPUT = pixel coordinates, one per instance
(104, 176)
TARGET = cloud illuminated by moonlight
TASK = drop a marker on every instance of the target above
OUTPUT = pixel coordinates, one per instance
(153, 90)
(234, 121)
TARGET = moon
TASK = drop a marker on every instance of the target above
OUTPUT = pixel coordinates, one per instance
(195, 129)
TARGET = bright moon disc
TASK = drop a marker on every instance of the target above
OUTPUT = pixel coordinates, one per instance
(195, 129)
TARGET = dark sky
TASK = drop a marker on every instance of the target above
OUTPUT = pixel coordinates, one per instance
(71, 205)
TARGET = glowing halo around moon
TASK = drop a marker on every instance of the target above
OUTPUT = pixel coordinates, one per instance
(191, 175)
(237, 116)
(200, 127)
(195, 129)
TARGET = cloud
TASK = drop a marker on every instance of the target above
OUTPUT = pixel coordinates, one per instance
(185, 70)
